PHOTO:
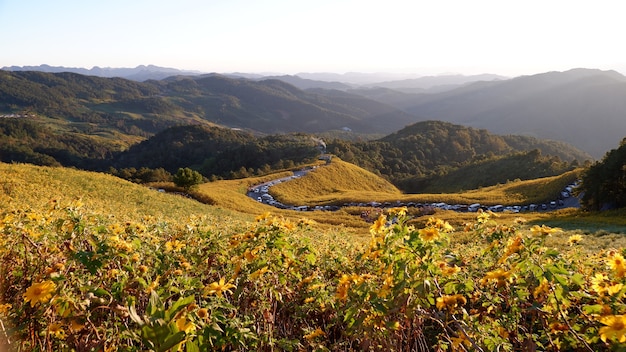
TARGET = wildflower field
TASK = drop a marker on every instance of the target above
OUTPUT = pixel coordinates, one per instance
(75, 278)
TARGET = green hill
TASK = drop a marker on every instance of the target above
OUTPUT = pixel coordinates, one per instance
(429, 150)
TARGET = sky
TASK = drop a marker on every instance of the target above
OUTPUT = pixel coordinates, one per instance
(289, 36)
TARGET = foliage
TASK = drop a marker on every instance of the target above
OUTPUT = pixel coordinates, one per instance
(436, 156)
(91, 122)
(218, 152)
(604, 183)
(187, 178)
(193, 285)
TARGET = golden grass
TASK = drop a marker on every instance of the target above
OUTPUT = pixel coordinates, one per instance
(342, 183)
(337, 182)
(33, 187)
(38, 188)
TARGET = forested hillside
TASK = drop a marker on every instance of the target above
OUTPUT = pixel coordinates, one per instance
(219, 152)
(582, 107)
(413, 155)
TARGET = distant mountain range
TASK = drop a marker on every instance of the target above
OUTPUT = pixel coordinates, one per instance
(139, 73)
(583, 107)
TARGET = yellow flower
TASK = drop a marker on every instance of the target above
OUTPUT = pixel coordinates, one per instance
(483, 216)
(288, 225)
(450, 301)
(400, 211)
(544, 230)
(447, 270)
(429, 234)
(185, 265)
(262, 216)
(316, 333)
(378, 225)
(202, 313)
(143, 269)
(184, 325)
(154, 284)
(174, 246)
(440, 224)
(574, 239)
(257, 274)
(599, 283)
(4, 308)
(218, 288)
(309, 299)
(615, 328)
(499, 276)
(40, 292)
(616, 262)
(614, 289)
(56, 329)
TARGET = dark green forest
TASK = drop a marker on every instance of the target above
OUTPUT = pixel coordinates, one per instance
(147, 131)
(604, 183)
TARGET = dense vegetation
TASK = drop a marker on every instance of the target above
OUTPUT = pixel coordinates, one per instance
(219, 152)
(128, 268)
(604, 183)
(144, 108)
(422, 156)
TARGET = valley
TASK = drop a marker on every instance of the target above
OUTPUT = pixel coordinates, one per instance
(319, 218)
(261, 193)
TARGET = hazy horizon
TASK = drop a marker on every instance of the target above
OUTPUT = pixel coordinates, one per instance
(289, 37)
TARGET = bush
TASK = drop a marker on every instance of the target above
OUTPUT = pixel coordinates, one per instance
(187, 178)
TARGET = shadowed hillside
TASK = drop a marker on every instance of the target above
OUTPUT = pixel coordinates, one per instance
(431, 149)
(582, 107)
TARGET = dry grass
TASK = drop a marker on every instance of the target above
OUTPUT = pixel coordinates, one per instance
(38, 188)
(337, 182)
(33, 187)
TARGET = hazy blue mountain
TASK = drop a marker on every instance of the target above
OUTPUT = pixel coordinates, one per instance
(433, 83)
(140, 73)
(583, 107)
(304, 83)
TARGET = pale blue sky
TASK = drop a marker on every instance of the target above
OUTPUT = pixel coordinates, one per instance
(290, 36)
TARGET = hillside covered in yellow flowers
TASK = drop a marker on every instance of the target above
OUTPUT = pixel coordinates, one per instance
(91, 262)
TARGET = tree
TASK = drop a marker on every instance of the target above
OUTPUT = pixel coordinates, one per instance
(187, 178)
(604, 183)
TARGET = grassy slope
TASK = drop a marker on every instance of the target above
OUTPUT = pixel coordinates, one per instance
(36, 188)
(33, 187)
(338, 181)
(342, 182)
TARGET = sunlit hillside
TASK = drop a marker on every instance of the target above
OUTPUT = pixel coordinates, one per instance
(40, 188)
(93, 262)
(332, 183)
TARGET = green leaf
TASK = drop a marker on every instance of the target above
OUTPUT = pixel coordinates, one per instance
(191, 346)
(86, 258)
(311, 258)
(578, 279)
(101, 292)
(593, 309)
(171, 341)
(177, 306)
(155, 306)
